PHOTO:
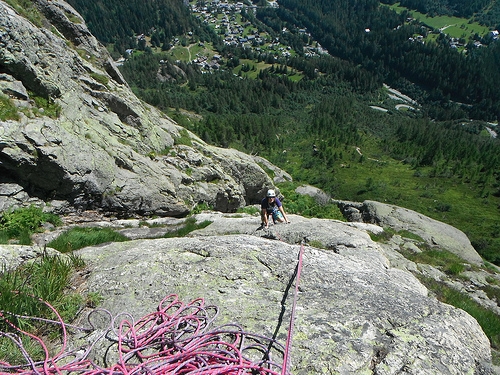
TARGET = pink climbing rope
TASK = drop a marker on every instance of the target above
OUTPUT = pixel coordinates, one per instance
(174, 340)
(288, 345)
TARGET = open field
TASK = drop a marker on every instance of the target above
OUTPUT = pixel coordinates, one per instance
(453, 26)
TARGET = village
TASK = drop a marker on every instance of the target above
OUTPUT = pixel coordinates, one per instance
(226, 19)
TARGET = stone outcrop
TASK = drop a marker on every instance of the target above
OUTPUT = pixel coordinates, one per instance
(355, 313)
(435, 233)
(105, 149)
(360, 307)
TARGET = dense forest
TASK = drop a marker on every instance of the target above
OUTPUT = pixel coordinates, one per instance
(437, 159)
(388, 51)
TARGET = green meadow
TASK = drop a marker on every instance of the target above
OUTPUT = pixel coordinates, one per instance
(452, 26)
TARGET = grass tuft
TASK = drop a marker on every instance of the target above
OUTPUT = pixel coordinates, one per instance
(250, 210)
(21, 289)
(8, 110)
(77, 238)
(487, 319)
(189, 226)
(448, 262)
(23, 222)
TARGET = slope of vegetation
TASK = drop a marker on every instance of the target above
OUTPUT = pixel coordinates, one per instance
(312, 116)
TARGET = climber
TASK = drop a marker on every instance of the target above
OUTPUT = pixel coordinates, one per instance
(271, 206)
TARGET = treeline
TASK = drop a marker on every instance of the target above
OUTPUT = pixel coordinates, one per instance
(388, 52)
(230, 94)
(119, 23)
(266, 113)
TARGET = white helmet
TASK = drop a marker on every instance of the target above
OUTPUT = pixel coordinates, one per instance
(271, 193)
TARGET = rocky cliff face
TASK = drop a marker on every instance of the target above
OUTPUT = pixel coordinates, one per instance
(79, 139)
(360, 308)
(356, 313)
(95, 145)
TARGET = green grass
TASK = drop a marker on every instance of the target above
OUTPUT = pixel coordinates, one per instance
(487, 319)
(446, 261)
(45, 107)
(21, 289)
(181, 53)
(453, 26)
(492, 292)
(449, 200)
(27, 9)
(183, 138)
(200, 207)
(250, 210)
(189, 226)
(21, 223)
(8, 111)
(304, 205)
(407, 234)
(256, 66)
(101, 78)
(383, 236)
(78, 237)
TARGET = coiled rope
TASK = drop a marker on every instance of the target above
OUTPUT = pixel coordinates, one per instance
(174, 340)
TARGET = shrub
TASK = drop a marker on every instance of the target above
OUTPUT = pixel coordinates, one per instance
(8, 110)
(77, 238)
(23, 222)
(307, 206)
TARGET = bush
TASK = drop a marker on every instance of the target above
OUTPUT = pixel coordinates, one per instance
(77, 238)
(23, 222)
(307, 206)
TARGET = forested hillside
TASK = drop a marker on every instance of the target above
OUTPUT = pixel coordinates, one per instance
(327, 118)
(118, 23)
(389, 52)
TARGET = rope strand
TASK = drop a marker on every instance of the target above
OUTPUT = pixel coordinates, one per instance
(175, 340)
